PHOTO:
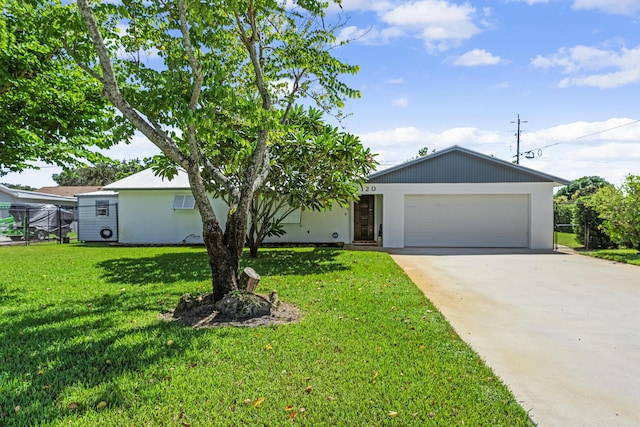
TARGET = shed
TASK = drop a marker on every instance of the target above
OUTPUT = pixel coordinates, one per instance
(98, 216)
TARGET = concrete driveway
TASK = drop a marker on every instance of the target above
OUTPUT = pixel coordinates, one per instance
(561, 330)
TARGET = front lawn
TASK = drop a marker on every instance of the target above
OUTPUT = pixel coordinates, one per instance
(629, 256)
(568, 239)
(81, 343)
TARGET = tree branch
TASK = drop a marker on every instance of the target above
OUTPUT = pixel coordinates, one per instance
(112, 91)
(80, 63)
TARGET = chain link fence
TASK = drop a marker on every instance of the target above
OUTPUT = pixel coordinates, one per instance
(33, 222)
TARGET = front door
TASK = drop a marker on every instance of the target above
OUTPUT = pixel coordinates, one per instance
(363, 219)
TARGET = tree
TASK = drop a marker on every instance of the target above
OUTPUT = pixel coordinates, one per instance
(619, 210)
(573, 204)
(49, 110)
(585, 186)
(231, 72)
(18, 186)
(424, 151)
(101, 173)
(314, 166)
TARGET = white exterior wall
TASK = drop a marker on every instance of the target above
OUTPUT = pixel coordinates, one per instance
(540, 215)
(318, 227)
(147, 216)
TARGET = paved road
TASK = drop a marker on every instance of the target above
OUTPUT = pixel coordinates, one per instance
(561, 330)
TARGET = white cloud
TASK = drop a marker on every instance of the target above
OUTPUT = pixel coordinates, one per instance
(579, 149)
(622, 7)
(401, 136)
(146, 55)
(139, 147)
(531, 2)
(439, 23)
(475, 58)
(369, 36)
(397, 145)
(397, 81)
(402, 101)
(502, 85)
(621, 130)
(361, 6)
(593, 66)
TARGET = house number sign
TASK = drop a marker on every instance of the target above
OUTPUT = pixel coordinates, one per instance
(369, 188)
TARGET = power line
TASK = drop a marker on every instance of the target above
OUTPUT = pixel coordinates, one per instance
(531, 154)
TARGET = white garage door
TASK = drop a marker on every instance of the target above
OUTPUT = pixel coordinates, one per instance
(467, 221)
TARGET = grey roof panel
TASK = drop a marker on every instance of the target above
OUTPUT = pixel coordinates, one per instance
(459, 165)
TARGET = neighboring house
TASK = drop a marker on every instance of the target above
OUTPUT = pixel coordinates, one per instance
(98, 216)
(453, 198)
(42, 219)
(23, 196)
(69, 190)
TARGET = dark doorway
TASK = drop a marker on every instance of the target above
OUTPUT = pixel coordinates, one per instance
(363, 219)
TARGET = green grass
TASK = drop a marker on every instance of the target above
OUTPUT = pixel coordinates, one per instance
(79, 325)
(568, 239)
(628, 256)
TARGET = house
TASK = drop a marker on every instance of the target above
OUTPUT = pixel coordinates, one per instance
(33, 215)
(453, 198)
(98, 216)
(69, 190)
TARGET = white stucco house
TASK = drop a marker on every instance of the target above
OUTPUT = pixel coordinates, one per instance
(452, 198)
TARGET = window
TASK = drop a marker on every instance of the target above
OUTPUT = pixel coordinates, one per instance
(102, 208)
(184, 201)
(292, 218)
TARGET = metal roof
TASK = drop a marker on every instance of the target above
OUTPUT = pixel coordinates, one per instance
(24, 195)
(460, 165)
(148, 180)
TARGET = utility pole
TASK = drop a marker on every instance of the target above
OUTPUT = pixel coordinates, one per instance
(518, 140)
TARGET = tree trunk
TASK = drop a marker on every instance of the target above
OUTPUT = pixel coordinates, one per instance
(253, 251)
(224, 263)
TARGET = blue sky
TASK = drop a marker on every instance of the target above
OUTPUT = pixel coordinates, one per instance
(440, 72)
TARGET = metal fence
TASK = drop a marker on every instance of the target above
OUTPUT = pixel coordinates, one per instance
(33, 222)
(583, 221)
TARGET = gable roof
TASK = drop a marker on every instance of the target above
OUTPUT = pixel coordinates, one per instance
(460, 165)
(148, 180)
